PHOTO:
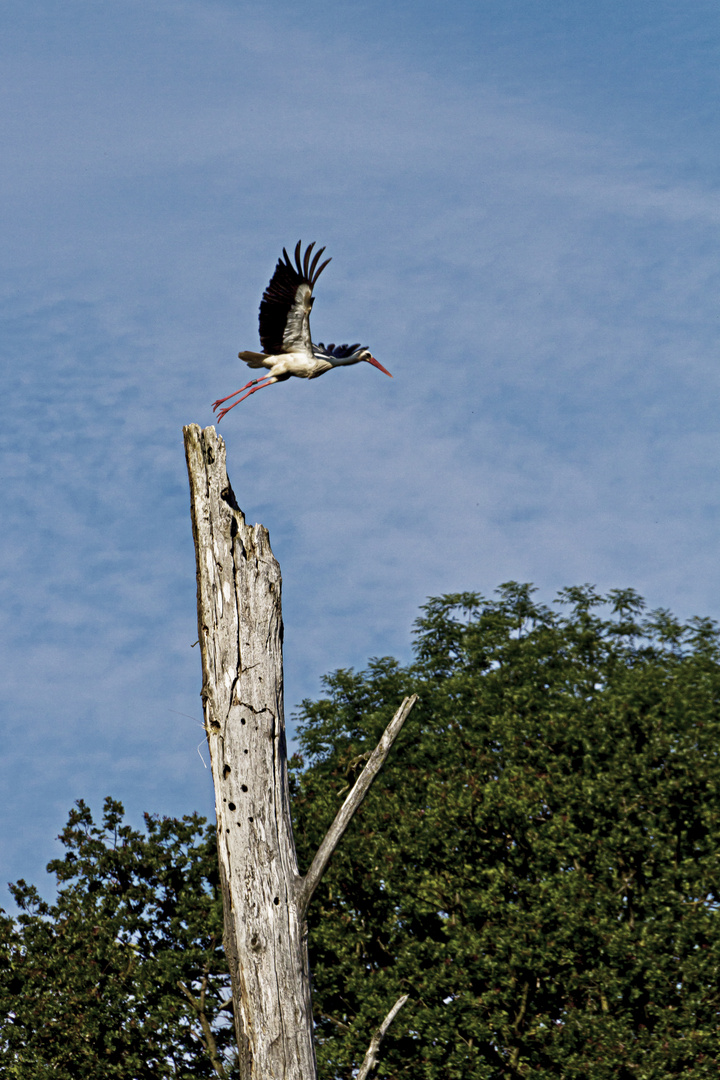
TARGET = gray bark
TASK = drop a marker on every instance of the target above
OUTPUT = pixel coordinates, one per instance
(371, 1057)
(264, 895)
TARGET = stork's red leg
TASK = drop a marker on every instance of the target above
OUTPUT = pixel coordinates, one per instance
(268, 381)
(253, 382)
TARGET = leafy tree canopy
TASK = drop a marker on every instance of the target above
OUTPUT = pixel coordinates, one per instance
(536, 866)
(124, 975)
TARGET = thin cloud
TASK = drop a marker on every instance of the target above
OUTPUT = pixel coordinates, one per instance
(546, 303)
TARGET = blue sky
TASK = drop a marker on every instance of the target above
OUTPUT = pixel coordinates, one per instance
(521, 202)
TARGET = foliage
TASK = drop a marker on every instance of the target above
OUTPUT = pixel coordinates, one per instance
(123, 976)
(537, 864)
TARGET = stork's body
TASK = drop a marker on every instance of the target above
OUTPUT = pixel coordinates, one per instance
(288, 349)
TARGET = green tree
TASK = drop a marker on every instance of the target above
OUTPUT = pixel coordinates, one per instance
(537, 865)
(124, 975)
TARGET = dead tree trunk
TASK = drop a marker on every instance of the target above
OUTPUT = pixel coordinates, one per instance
(265, 898)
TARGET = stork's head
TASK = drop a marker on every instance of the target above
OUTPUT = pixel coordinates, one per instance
(375, 363)
(342, 355)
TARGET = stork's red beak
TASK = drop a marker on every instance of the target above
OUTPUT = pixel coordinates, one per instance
(377, 364)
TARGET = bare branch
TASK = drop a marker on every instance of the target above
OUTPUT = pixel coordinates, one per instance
(373, 1049)
(344, 815)
(209, 1038)
(334, 1020)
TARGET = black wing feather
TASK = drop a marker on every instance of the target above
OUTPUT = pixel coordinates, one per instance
(306, 261)
(281, 295)
(339, 352)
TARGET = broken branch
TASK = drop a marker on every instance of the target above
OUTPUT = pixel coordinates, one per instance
(371, 1056)
(344, 815)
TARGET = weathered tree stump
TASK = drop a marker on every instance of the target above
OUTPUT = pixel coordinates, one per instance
(265, 897)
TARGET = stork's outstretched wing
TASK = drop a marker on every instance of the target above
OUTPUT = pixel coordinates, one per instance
(286, 303)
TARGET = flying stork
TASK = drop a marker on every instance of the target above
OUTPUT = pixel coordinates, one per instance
(285, 331)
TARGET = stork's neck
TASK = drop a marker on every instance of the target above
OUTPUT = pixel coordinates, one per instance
(341, 361)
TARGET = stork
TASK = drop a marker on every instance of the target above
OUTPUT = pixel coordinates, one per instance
(285, 338)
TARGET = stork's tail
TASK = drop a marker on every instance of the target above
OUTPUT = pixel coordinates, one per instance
(254, 359)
